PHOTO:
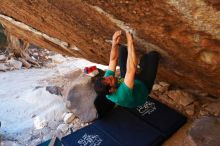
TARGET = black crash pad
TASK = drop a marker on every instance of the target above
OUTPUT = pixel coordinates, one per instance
(147, 125)
(120, 127)
(159, 116)
(128, 129)
(89, 136)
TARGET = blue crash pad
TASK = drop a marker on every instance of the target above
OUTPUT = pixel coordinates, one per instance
(128, 129)
(89, 136)
(159, 116)
(120, 127)
(146, 125)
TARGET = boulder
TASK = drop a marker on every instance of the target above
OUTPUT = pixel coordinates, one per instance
(204, 132)
(79, 97)
(186, 33)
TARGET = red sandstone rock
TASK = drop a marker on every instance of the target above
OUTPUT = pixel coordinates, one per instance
(181, 97)
(204, 132)
(186, 33)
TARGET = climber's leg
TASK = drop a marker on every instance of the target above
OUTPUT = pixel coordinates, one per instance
(123, 54)
(148, 65)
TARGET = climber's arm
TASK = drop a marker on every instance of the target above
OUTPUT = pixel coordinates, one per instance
(114, 51)
(131, 62)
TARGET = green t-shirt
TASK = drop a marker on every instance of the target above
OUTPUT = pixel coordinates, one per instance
(124, 96)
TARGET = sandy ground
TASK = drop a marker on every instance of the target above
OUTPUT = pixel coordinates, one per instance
(29, 114)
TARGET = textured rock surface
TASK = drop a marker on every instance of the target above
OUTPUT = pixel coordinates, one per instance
(2, 37)
(186, 33)
(204, 132)
(188, 103)
(79, 97)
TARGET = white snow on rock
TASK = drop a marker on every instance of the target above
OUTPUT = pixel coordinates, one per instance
(3, 67)
(3, 57)
(28, 113)
(14, 63)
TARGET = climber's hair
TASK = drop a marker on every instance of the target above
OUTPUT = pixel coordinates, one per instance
(101, 88)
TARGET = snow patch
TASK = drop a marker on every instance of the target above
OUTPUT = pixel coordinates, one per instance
(28, 113)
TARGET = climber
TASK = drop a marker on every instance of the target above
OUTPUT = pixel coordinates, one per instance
(131, 89)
